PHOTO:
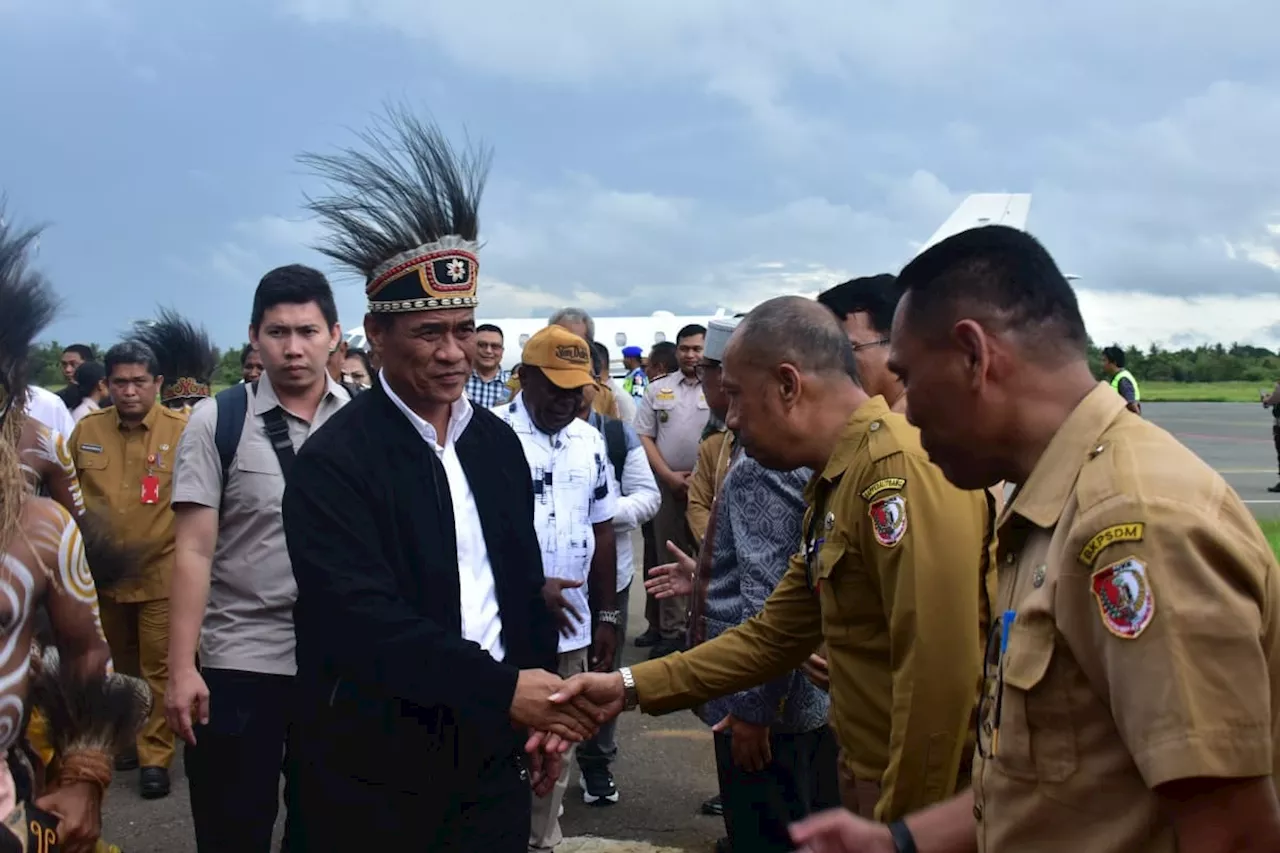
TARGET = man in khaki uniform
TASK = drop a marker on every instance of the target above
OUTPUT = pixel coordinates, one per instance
(669, 421)
(717, 444)
(1132, 680)
(890, 571)
(124, 458)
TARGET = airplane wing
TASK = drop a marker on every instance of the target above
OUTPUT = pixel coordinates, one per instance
(1010, 209)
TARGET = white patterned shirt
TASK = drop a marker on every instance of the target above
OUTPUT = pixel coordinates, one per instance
(572, 491)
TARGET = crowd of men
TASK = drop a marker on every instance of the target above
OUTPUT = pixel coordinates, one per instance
(930, 584)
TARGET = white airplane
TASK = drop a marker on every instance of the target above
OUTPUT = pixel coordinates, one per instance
(979, 209)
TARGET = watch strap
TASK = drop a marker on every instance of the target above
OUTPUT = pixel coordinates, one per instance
(903, 840)
(630, 696)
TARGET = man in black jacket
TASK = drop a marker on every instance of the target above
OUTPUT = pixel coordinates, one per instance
(423, 641)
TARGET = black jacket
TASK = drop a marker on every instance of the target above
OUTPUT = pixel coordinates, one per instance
(370, 529)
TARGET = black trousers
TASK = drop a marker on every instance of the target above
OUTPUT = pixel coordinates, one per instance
(1275, 434)
(758, 807)
(430, 806)
(235, 767)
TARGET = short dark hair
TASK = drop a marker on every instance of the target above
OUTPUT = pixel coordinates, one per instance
(1115, 355)
(798, 331)
(599, 357)
(131, 352)
(356, 352)
(663, 354)
(489, 327)
(691, 331)
(876, 295)
(1002, 274)
(244, 354)
(294, 284)
(85, 381)
(82, 350)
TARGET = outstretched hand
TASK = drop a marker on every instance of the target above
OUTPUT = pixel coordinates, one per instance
(561, 609)
(840, 831)
(672, 579)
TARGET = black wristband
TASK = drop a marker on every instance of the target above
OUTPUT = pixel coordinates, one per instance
(903, 841)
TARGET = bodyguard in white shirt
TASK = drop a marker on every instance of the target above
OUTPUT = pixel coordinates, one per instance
(574, 505)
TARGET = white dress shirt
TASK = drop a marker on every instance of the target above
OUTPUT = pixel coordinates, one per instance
(48, 408)
(572, 491)
(481, 619)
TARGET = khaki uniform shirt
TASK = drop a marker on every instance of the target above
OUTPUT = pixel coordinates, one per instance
(709, 472)
(892, 577)
(673, 413)
(1143, 645)
(112, 460)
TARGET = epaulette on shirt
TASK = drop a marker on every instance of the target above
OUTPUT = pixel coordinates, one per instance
(885, 437)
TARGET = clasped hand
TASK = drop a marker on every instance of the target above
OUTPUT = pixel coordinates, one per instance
(561, 713)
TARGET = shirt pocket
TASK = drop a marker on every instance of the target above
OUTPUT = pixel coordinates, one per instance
(93, 471)
(257, 483)
(1037, 739)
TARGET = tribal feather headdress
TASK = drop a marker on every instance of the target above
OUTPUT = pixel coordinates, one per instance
(186, 357)
(27, 305)
(403, 214)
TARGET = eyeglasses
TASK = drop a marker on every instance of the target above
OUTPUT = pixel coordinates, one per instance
(869, 344)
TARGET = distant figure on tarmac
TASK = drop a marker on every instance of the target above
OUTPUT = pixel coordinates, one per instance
(1121, 380)
(1273, 400)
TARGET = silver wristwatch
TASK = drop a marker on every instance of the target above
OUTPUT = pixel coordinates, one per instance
(630, 698)
(609, 617)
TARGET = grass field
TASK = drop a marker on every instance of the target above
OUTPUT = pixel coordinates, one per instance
(1271, 527)
(1200, 392)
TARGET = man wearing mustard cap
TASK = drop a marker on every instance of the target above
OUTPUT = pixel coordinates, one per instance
(573, 506)
(425, 649)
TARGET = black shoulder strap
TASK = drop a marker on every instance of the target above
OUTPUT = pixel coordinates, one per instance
(278, 433)
(233, 405)
(615, 443)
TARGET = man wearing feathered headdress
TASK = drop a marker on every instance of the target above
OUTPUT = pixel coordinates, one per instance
(89, 714)
(424, 645)
(186, 357)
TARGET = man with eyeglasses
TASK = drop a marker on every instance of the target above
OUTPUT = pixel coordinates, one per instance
(864, 307)
(487, 386)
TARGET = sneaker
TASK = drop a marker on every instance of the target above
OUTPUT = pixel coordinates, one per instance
(1275, 488)
(598, 788)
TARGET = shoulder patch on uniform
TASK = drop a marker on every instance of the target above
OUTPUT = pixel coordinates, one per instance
(1130, 532)
(888, 519)
(1125, 599)
(887, 484)
(91, 448)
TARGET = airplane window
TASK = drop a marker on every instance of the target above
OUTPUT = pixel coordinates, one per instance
(659, 337)
(620, 339)
(524, 339)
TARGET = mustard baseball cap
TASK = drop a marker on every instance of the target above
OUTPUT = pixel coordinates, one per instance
(564, 357)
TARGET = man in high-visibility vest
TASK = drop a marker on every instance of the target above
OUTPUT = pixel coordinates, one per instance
(1121, 380)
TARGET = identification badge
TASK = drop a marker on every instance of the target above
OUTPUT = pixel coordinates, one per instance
(150, 489)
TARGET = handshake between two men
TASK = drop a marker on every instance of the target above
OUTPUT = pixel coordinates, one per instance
(559, 713)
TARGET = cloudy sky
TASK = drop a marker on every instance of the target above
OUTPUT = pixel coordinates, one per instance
(665, 154)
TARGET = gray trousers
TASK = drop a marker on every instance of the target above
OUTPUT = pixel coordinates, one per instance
(670, 524)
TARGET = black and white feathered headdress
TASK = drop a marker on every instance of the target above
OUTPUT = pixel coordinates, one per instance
(403, 214)
(27, 305)
(186, 357)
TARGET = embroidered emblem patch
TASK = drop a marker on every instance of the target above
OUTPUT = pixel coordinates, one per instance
(885, 485)
(1125, 599)
(889, 519)
(1131, 532)
(666, 394)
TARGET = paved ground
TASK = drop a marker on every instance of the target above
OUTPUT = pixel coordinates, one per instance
(1234, 438)
(666, 768)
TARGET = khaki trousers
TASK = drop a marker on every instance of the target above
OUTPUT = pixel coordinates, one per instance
(858, 795)
(670, 524)
(138, 634)
(544, 823)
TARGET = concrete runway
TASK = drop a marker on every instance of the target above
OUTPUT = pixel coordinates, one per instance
(1235, 438)
(665, 768)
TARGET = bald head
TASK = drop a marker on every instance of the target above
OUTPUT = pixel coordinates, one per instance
(796, 331)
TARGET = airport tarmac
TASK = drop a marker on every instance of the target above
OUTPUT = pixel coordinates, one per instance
(1235, 438)
(665, 767)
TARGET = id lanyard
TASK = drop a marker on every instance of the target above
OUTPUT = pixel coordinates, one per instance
(150, 482)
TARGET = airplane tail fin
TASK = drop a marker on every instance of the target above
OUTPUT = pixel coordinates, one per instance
(979, 209)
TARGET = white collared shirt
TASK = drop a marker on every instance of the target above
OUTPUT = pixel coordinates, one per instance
(481, 619)
(48, 408)
(572, 491)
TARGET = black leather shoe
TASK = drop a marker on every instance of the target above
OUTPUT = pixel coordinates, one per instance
(126, 762)
(647, 639)
(712, 807)
(155, 783)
